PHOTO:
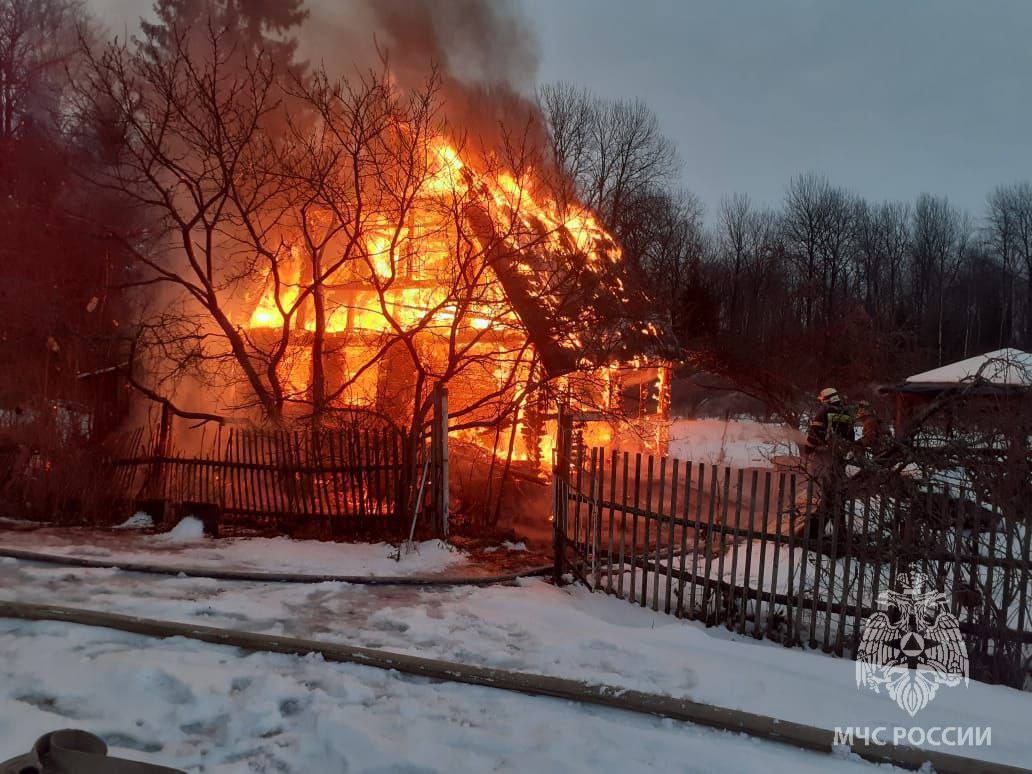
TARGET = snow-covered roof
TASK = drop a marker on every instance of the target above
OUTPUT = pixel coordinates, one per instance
(1002, 366)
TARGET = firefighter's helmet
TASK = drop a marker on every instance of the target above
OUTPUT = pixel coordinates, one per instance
(829, 395)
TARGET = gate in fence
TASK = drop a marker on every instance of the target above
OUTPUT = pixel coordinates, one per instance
(758, 552)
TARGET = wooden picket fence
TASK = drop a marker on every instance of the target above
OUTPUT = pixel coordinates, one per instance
(347, 482)
(353, 480)
(751, 550)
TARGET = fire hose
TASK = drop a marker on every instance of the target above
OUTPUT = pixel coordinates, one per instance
(214, 573)
(71, 751)
(734, 720)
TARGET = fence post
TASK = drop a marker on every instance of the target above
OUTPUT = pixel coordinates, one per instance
(560, 490)
(156, 482)
(439, 452)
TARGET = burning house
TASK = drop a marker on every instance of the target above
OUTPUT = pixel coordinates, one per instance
(482, 281)
(328, 252)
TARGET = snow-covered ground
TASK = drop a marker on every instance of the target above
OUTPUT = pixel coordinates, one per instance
(186, 546)
(529, 626)
(740, 443)
(214, 709)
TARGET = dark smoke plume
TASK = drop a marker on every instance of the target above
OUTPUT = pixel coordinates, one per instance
(485, 50)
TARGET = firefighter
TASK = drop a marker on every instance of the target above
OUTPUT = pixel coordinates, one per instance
(833, 420)
(873, 434)
(828, 441)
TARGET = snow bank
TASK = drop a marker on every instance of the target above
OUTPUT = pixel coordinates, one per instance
(536, 627)
(206, 708)
(185, 546)
(188, 530)
(138, 520)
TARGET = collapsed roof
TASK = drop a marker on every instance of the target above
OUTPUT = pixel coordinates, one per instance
(583, 310)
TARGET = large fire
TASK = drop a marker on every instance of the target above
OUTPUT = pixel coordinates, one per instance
(402, 282)
(387, 244)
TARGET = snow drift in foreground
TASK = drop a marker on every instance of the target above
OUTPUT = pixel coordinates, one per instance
(535, 627)
(214, 709)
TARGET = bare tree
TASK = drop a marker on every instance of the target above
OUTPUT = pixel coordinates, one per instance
(882, 244)
(818, 228)
(570, 112)
(37, 40)
(196, 159)
(670, 241)
(940, 236)
(748, 245)
(614, 152)
(1009, 219)
(733, 226)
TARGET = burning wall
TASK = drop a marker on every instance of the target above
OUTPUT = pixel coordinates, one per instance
(344, 242)
(482, 281)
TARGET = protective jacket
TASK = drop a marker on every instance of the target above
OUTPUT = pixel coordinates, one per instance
(832, 420)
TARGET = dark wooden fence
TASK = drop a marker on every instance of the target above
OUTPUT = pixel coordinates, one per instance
(350, 481)
(753, 551)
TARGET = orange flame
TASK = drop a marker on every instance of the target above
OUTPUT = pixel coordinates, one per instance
(398, 282)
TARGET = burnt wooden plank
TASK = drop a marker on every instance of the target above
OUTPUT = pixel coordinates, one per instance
(695, 538)
(623, 524)
(659, 532)
(634, 527)
(670, 540)
(685, 511)
(650, 467)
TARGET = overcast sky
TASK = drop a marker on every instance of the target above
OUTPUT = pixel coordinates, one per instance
(887, 97)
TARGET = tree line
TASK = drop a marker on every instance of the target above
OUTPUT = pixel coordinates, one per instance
(825, 287)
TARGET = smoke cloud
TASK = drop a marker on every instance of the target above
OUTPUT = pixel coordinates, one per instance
(472, 41)
(486, 52)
